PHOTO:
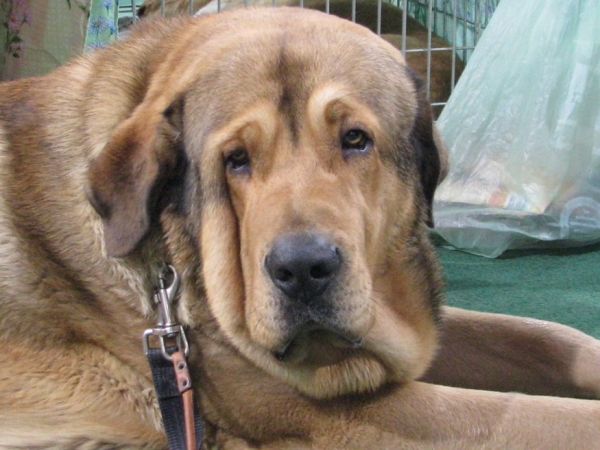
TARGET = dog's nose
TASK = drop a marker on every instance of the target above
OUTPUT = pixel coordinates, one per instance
(302, 265)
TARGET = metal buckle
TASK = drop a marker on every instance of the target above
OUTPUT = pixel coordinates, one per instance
(167, 326)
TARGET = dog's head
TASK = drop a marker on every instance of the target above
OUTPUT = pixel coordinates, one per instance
(303, 160)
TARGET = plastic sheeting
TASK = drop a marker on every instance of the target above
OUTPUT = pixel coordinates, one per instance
(523, 131)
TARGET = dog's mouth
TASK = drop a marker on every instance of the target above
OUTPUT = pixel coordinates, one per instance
(315, 346)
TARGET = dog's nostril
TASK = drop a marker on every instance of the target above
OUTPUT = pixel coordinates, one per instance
(283, 275)
(320, 271)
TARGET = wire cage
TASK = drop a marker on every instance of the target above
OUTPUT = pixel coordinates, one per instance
(460, 22)
(453, 26)
(437, 37)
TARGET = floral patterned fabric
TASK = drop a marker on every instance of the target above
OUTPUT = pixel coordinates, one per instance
(14, 14)
(102, 25)
(38, 36)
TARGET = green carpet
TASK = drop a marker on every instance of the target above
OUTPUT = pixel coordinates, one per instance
(558, 285)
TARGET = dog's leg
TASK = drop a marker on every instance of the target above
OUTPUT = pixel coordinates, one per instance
(421, 415)
(507, 353)
(418, 416)
(258, 411)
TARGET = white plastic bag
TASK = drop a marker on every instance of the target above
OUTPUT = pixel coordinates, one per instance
(523, 131)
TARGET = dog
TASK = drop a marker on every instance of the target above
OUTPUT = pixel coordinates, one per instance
(440, 63)
(284, 162)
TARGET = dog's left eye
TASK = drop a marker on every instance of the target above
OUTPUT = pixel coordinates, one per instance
(356, 141)
(238, 161)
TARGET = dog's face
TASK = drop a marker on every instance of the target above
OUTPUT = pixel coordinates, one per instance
(305, 163)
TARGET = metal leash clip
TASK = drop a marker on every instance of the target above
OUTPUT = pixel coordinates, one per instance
(167, 326)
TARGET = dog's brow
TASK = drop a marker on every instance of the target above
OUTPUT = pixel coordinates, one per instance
(324, 96)
(261, 115)
(331, 102)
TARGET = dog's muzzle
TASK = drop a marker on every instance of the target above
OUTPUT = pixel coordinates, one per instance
(306, 269)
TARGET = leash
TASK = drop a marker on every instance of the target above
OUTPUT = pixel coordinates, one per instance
(170, 372)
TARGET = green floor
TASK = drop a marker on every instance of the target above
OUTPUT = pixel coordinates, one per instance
(558, 285)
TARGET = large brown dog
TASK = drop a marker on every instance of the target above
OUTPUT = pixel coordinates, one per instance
(284, 161)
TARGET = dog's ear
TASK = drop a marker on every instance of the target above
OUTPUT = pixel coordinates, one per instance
(141, 12)
(129, 177)
(432, 156)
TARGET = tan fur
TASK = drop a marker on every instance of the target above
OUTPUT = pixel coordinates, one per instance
(366, 14)
(121, 161)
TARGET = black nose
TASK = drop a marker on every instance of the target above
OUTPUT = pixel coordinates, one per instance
(302, 265)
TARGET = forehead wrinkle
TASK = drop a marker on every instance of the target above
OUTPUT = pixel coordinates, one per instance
(323, 99)
(261, 115)
(290, 71)
(334, 103)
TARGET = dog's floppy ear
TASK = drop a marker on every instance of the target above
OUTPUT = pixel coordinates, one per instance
(141, 12)
(128, 178)
(432, 156)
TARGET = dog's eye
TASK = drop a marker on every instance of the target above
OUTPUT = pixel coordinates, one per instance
(356, 141)
(238, 161)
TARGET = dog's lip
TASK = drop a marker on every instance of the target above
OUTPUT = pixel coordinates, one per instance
(342, 339)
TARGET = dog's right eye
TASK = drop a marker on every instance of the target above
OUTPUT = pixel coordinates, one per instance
(238, 161)
(355, 141)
